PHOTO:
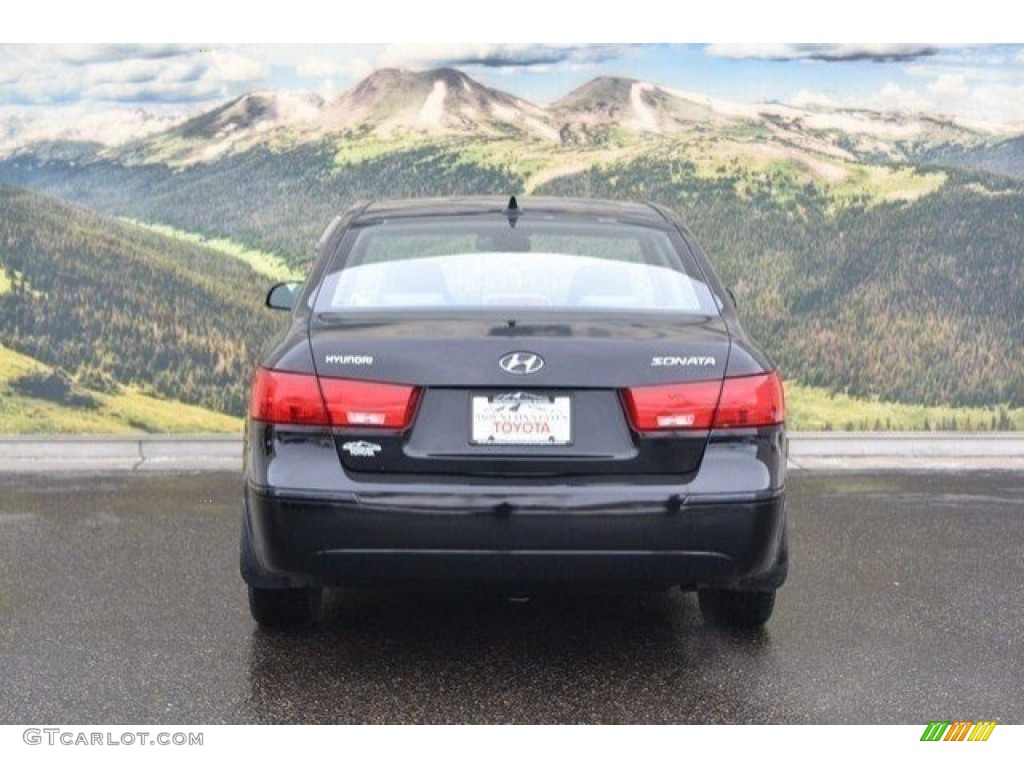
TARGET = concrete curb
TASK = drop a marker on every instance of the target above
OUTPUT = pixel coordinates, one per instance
(117, 453)
(808, 451)
(871, 451)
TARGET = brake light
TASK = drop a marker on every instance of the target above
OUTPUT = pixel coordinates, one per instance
(353, 403)
(673, 406)
(281, 397)
(751, 401)
(745, 401)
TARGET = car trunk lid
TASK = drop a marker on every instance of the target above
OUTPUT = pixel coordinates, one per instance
(540, 396)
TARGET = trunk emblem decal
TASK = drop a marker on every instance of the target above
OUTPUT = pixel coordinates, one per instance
(521, 363)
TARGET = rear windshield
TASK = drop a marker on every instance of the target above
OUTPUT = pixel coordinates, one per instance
(472, 264)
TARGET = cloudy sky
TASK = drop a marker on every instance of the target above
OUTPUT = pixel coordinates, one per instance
(984, 83)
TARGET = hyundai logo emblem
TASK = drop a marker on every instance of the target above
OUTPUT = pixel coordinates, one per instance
(521, 363)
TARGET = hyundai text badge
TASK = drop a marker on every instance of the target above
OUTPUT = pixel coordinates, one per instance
(521, 363)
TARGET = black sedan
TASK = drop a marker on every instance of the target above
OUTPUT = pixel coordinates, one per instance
(517, 395)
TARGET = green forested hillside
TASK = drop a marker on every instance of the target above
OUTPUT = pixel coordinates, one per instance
(1004, 157)
(277, 202)
(919, 302)
(110, 303)
(38, 398)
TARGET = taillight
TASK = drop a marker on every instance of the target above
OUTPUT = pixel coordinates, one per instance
(673, 406)
(369, 403)
(751, 401)
(746, 401)
(280, 397)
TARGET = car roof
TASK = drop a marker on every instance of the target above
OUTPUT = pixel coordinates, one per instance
(567, 207)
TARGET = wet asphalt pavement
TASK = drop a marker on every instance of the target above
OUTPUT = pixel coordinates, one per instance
(120, 602)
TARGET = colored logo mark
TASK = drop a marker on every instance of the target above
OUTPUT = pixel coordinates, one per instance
(958, 730)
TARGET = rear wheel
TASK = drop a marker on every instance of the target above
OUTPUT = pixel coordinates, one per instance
(736, 608)
(288, 607)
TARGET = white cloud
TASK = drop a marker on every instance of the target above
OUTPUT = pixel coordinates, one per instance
(949, 85)
(896, 98)
(93, 53)
(530, 56)
(429, 54)
(750, 50)
(314, 67)
(58, 74)
(329, 71)
(332, 76)
(806, 98)
(974, 97)
(822, 51)
(994, 105)
(355, 69)
(934, 70)
(231, 67)
(78, 122)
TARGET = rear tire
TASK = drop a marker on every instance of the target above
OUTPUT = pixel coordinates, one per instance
(287, 607)
(738, 609)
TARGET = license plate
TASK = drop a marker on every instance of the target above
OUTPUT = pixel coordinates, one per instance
(521, 418)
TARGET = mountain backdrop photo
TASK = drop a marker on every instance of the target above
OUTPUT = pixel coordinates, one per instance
(864, 203)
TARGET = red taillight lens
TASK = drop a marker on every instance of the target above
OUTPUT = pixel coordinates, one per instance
(751, 401)
(746, 401)
(673, 406)
(280, 397)
(369, 403)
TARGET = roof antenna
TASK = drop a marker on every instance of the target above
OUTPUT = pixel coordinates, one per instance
(512, 212)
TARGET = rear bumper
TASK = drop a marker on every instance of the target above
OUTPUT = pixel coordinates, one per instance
(566, 535)
(308, 521)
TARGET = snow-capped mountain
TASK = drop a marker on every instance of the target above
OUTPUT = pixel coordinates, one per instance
(440, 101)
(440, 104)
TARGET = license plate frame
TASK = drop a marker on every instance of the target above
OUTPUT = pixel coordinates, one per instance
(519, 419)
